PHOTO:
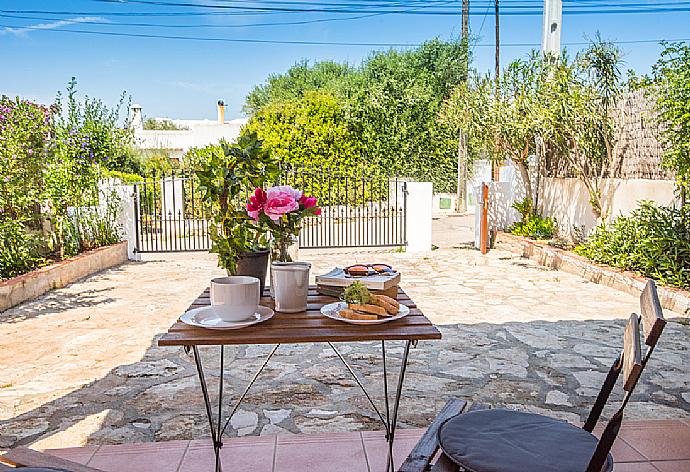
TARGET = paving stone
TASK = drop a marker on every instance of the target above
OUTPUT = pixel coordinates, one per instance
(510, 338)
(554, 397)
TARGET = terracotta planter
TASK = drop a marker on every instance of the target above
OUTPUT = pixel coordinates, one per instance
(254, 264)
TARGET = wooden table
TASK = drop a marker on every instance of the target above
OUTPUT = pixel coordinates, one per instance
(306, 327)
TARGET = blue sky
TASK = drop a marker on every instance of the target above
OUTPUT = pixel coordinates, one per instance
(184, 79)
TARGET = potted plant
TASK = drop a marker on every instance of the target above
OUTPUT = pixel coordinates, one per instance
(282, 209)
(239, 240)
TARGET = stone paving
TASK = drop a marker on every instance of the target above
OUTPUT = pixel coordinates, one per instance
(81, 366)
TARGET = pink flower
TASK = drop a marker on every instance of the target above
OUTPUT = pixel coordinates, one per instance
(256, 203)
(307, 202)
(296, 194)
(281, 200)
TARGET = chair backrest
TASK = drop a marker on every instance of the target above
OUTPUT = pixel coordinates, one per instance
(631, 362)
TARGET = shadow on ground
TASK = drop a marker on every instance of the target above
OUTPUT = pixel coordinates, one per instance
(548, 367)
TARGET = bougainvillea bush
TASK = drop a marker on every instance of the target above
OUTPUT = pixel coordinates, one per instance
(51, 161)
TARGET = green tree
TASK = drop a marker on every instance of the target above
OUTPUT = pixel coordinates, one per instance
(294, 83)
(670, 83)
(581, 97)
(313, 130)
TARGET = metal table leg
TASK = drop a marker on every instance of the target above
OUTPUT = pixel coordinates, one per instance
(389, 422)
(218, 427)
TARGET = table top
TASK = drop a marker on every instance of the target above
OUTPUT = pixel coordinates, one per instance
(306, 327)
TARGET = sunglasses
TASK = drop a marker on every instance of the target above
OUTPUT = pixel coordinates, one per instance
(363, 270)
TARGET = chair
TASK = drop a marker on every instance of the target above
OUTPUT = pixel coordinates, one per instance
(23, 458)
(501, 440)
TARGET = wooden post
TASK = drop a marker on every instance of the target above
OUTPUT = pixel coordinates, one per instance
(484, 230)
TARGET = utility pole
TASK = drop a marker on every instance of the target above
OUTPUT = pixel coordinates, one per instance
(551, 27)
(496, 167)
(461, 193)
(498, 42)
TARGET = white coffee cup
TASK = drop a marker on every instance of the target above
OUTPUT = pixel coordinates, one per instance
(235, 298)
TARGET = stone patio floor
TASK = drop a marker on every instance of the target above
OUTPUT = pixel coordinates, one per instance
(80, 365)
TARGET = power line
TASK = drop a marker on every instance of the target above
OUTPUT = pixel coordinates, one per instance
(245, 10)
(299, 42)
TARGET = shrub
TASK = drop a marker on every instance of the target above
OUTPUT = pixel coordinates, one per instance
(533, 225)
(124, 177)
(20, 249)
(536, 227)
(653, 240)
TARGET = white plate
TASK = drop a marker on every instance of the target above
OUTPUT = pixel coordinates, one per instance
(332, 310)
(206, 317)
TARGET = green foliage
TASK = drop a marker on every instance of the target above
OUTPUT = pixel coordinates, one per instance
(92, 227)
(195, 157)
(51, 159)
(20, 249)
(357, 292)
(671, 83)
(124, 177)
(24, 132)
(653, 240)
(311, 131)
(224, 181)
(533, 225)
(162, 125)
(298, 80)
(384, 113)
(536, 227)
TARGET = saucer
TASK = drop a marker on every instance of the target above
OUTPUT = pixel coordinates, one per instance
(207, 317)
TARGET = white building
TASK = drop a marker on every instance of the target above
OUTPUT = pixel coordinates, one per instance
(195, 133)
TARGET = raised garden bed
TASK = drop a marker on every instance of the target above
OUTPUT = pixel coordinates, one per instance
(33, 284)
(672, 298)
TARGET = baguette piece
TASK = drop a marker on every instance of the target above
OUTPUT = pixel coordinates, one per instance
(381, 301)
(389, 300)
(353, 315)
(368, 308)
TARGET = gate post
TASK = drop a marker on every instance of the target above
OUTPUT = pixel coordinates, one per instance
(419, 203)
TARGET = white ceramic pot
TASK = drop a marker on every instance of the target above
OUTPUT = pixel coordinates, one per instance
(235, 298)
(290, 285)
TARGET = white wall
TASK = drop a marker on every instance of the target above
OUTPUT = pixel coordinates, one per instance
(199, 134)
(567, 199)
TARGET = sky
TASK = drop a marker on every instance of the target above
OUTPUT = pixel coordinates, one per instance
(183, 79)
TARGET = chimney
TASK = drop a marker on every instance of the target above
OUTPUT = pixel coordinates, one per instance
(136, 117)
(221, 112)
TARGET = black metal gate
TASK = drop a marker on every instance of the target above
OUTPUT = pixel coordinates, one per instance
(359, 209)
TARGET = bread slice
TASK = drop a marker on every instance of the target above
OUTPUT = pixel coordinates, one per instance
(381, 301)
(390, 300)
(368, 308)
(353, 315)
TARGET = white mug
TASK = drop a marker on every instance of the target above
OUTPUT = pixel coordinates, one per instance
(235, 298)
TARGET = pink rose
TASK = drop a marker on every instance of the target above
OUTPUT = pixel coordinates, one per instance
(307, 202)
(256, 203)
(296, 194)
(281, 200)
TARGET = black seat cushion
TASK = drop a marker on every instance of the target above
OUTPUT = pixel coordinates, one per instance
(503, 440)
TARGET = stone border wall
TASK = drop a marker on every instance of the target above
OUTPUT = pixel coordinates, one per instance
(36, 283)
(671, 298)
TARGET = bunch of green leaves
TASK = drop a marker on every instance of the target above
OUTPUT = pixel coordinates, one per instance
(357, 292)
(537, 227)
(653, 240)
(225, 182)
(532, 224)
